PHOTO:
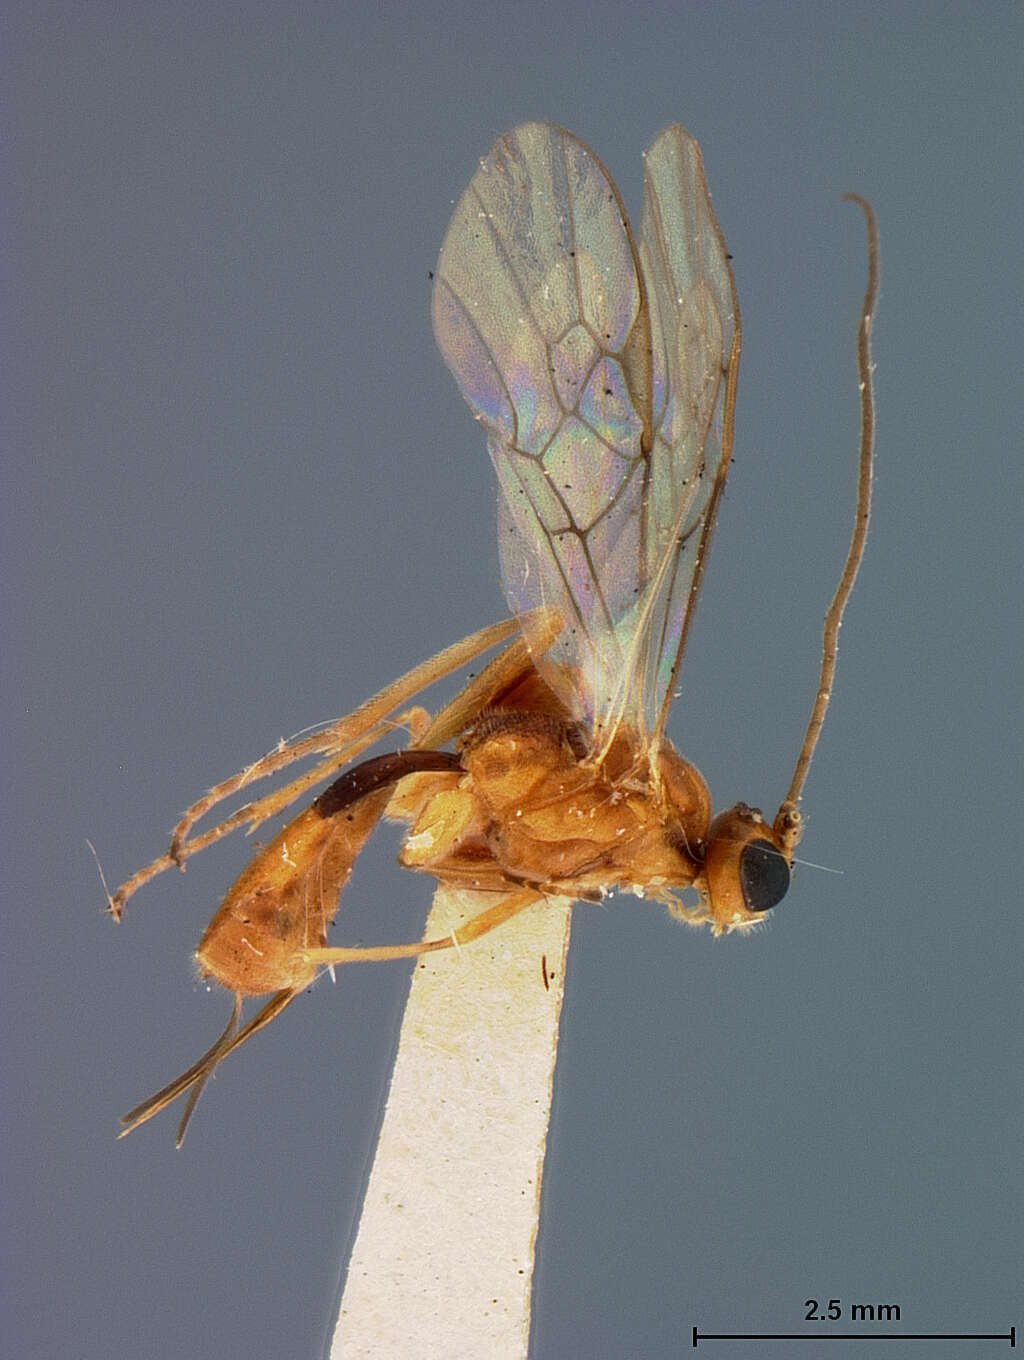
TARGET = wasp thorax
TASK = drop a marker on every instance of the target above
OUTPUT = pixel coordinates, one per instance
(532, 807)
(687, 802)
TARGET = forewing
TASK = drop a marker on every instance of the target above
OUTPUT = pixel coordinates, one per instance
(695, 343)
(541, 312)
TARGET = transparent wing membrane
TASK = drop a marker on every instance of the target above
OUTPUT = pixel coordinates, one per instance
(695, 345)
(597, 366)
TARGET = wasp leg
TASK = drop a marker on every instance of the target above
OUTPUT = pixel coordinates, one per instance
(510, 905)
(345, 740)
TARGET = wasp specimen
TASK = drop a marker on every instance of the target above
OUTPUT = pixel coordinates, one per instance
(602, 364)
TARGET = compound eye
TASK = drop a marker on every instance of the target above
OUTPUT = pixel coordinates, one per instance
(764, 876)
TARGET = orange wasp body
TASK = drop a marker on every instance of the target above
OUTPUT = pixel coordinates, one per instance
(603, 366)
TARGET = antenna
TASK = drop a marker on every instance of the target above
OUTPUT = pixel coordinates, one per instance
(788, 823)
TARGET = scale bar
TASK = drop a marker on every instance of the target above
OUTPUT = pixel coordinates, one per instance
(1010, 1336)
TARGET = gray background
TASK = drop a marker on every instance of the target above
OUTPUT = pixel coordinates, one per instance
(244, 493)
